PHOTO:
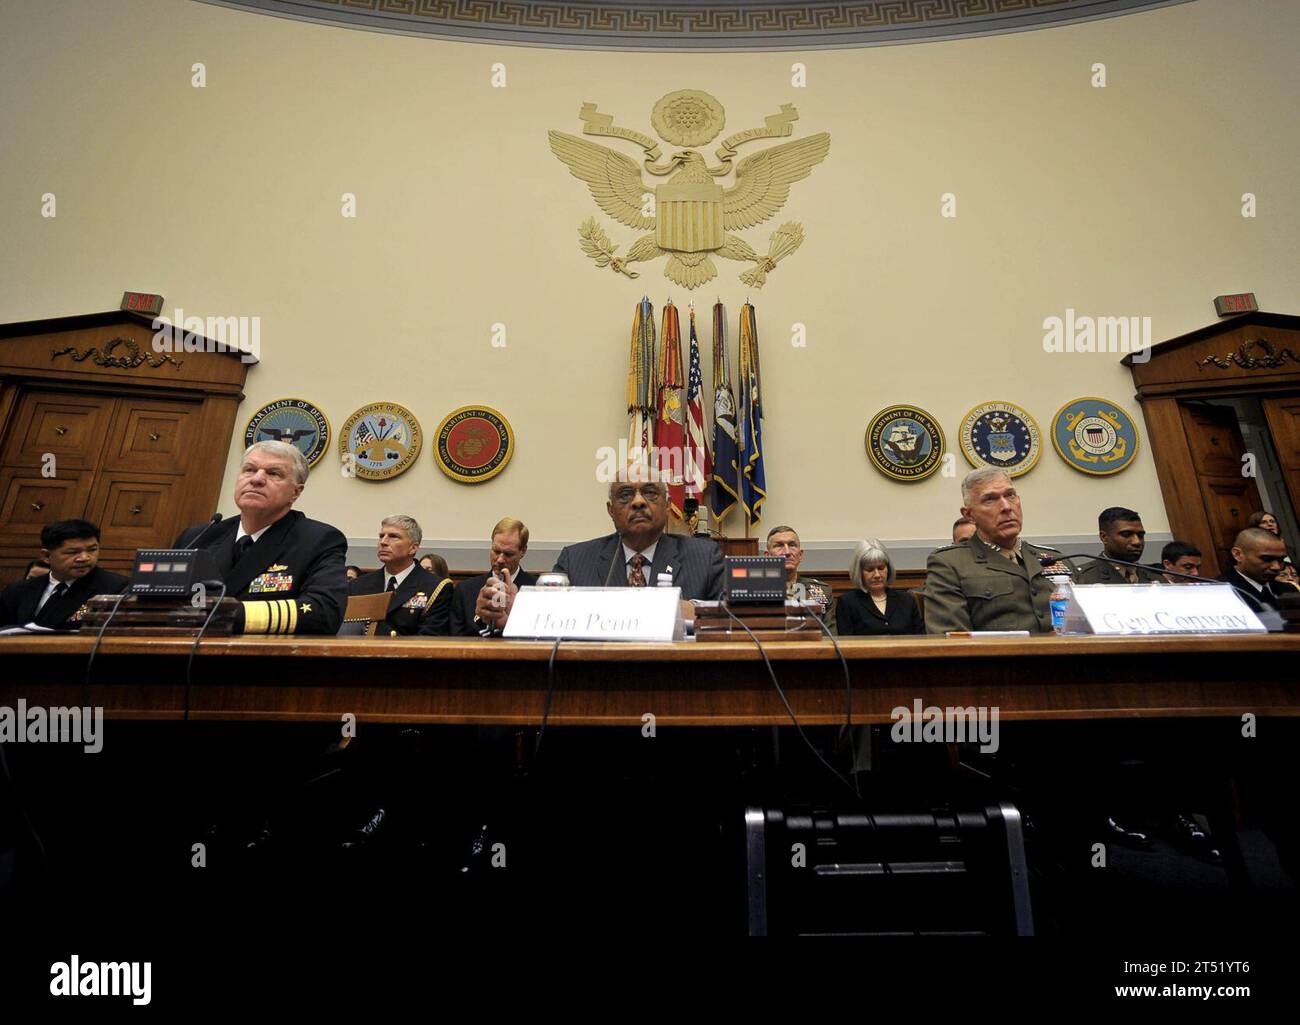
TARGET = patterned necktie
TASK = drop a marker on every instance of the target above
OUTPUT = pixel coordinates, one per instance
(636, 578)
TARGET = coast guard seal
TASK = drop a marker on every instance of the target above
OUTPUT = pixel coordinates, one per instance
(1095, 436)
(473, 444)
(1001, 434)
(381, 440)
(294, 421)
(905, 443)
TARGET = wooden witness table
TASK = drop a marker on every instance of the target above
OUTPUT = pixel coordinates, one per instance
(471, 681)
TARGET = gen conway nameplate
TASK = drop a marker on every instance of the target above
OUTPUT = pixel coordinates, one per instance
(597, 613)
(1165, 609)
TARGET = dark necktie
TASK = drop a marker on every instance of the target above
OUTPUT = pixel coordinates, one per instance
(392, 585)
(636, 578)
(60, 589)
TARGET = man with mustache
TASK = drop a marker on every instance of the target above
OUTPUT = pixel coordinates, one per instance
(639, 553)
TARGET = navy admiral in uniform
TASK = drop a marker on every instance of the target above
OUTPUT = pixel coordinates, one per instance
(421, 601)
(57, 599)
(481, 604)
(286, 570)
(639, 553)
(993, 580)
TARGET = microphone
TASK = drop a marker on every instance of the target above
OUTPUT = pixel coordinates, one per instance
(216, 518)
(1254, 599)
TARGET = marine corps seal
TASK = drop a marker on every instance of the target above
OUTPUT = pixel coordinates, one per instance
(1095, 436)
(381, 440)
(1003, 435)
(905, 443)
(473, 444)
(294, 421)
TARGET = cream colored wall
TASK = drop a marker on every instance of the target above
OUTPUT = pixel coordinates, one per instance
(1115, 201)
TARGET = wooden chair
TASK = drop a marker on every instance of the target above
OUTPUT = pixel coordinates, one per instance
(364, 614)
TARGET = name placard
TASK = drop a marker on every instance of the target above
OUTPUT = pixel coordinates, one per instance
(597, 613)
(1160, 609)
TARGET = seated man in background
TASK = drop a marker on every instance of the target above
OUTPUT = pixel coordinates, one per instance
(1123, 538)
(1181, 557)
(783, 541)
(286, 570)
(36, 568)
(56, 599)
(420, 602)
(994, 580)
(481, 605)
(639, 553)
(1259, 554)
(962, 528)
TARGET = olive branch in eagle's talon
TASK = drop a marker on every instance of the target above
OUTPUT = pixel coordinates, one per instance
(595, 243)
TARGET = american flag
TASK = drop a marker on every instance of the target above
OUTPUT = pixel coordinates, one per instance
(697, 468)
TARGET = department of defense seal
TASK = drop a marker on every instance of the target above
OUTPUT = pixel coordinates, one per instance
(473, 444)
(1095, 436)
(905, 443)
(381, 440)
(294, 421)
(1001, 434)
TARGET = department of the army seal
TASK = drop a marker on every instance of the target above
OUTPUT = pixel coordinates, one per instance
(380, 440)
(294, 421)
(1001, 434)
(1095, 436)
(473, 444)
(905, 443)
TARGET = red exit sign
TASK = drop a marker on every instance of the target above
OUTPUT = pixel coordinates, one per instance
(144, 303)
(1241, 302)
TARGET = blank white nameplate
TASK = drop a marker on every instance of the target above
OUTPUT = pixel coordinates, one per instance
(597, 613)
(1162, 609)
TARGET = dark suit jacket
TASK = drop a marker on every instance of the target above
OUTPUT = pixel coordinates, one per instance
(465, 597)
(18, 602)
(420, 605)
(857, 616)
(292, 581)
(696, 563)
(1267, 600)
(1105, 573)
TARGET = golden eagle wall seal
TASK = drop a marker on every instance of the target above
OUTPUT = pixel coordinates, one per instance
(691, 216)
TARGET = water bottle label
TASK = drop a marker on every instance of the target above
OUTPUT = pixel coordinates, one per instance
(1059, 607)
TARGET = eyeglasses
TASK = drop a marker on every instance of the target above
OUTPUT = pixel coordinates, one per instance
(652, 493)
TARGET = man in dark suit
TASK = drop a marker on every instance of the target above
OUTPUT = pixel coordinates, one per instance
(495, 591)
(1259, 554)
(286, 570)
(639, 553)
(57, 599)
(420, 602)
(1123, 538)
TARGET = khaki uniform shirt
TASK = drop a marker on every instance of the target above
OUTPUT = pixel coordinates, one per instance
(973, 586)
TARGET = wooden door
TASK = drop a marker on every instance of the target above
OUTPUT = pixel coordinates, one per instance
(1284, 425)
(1217, 450)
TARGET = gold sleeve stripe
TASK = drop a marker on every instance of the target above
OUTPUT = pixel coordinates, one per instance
(277, 617)
(293, 616)
(256, 617)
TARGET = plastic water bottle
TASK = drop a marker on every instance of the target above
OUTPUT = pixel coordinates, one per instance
(1062, 597)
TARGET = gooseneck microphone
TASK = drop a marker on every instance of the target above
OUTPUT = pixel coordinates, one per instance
(216, 518)
(1047, 561)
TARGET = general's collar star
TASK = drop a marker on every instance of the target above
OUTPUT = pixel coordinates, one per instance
(305, 606)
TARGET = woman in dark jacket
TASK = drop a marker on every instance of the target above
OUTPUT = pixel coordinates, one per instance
(875, 608)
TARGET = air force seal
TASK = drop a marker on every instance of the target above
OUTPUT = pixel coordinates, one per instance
(473, 444)
(380, 440)
(293, 421)
(905, 443)
(1003, 435)
(1095, 436)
